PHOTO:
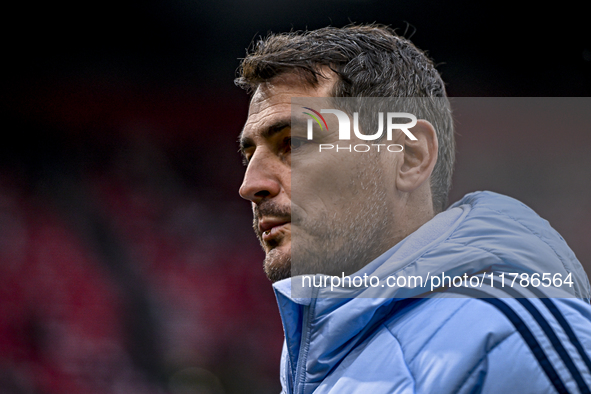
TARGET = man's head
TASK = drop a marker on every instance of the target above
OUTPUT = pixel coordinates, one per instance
(385, 196)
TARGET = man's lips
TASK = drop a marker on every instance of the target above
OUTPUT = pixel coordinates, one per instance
(269, 227)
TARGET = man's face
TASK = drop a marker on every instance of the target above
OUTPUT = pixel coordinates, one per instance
(339, 216)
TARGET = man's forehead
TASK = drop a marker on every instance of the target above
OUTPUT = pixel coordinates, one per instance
(269, 98)
(264, 111)
(279, 91)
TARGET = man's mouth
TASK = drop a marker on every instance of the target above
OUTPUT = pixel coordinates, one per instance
(270, 227)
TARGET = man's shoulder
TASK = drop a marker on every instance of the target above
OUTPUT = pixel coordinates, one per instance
(442, 325)
(504, 234)
(456, 341)
(465, 322)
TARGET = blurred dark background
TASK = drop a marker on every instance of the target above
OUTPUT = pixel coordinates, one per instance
(127, 262)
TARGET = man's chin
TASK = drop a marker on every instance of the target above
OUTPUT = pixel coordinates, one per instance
(277, 264)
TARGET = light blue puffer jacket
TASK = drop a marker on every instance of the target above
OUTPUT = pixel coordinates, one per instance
(382, 340)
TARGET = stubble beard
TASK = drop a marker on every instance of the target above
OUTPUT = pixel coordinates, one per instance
(277, 265)
(347, 239)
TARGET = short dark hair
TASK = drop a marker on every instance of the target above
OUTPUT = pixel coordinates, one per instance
(371, 61)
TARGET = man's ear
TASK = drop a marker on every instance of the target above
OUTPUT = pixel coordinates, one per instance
(420, 157)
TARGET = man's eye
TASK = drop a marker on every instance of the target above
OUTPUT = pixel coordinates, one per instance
(296, 142)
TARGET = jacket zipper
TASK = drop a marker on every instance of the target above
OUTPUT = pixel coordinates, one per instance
(304, 345)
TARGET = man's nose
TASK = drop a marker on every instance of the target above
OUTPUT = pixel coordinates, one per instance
(261, 180)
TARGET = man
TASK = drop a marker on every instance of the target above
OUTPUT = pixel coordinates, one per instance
(360, 213)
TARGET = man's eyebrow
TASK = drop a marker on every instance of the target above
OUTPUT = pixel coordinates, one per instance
(268, 132)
